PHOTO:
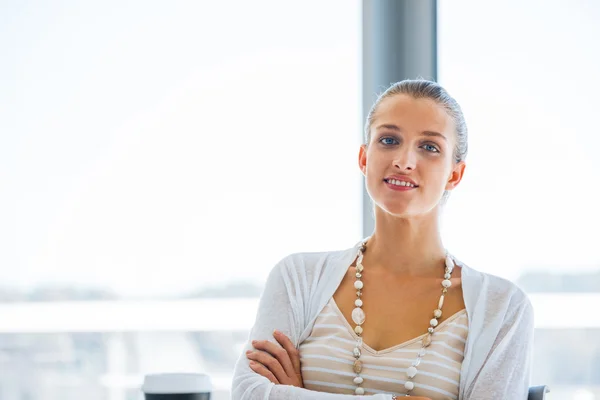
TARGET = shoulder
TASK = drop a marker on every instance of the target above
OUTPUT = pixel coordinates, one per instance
(308, 268)
(312, 263)
(492, 285)
(311, 260)
(495, 294)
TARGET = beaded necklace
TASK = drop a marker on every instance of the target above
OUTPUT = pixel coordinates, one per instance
(358, 317)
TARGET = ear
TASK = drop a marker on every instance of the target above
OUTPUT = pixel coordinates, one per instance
(362, 159)
(456, 175)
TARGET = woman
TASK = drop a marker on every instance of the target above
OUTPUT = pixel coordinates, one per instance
(395, 315)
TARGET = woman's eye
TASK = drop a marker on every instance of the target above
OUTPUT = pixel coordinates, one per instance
(431, 148)
(388, 140)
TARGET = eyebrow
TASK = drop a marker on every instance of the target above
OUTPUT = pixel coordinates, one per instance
(424, 133)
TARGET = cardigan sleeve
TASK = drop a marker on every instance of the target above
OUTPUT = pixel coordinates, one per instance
(279, 308)
(506, 371)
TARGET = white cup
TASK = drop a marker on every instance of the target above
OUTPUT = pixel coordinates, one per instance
(177, 386)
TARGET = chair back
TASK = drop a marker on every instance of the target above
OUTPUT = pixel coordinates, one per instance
(538, 392)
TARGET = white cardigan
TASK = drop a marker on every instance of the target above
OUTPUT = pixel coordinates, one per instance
(497, 359)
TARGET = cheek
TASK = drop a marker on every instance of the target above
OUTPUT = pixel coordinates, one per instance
(438, 171)
(378, 167)
(374, 174)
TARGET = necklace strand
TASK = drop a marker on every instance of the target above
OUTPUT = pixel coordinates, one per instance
(358, 317)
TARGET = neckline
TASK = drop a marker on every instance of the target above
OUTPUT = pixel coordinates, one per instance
(396, 346)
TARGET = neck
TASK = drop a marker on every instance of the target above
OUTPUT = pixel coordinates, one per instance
(406, 246)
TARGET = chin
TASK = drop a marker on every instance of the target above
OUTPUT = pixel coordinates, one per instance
(406, 209)
(398, 210)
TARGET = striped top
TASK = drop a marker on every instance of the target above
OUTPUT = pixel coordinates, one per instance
(498, 352)
(326, 357)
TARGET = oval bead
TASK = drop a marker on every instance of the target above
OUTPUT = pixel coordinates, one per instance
(437, 313)
(358, 316)
(427, 340)
(449, 263)
(409, 385)
(357, 367)
(356, 352)
(358, 285)
(358, 275)
(359, 391)
(358, 303)
(445, 283)
(358, 380)
(433, 322)
(411, 372)
(446, 276)
(441, 302)
(358, 330)
(430, 330)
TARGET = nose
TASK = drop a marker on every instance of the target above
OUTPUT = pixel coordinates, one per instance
(405, 159)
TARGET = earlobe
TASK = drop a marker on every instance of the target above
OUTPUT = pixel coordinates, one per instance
(456, 176)
(362, 160)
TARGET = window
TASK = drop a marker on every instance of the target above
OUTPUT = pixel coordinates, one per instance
(526, 76)
(157, 158)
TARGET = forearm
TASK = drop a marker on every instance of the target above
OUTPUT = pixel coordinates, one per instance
(292, 392)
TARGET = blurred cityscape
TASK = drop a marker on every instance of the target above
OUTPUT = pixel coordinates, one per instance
(110, 365)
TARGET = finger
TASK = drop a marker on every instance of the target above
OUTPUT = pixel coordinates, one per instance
(270, 362)
(261, 370)
(288, 346)
(278, 352)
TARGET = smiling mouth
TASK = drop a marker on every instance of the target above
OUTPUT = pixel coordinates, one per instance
(396, 182)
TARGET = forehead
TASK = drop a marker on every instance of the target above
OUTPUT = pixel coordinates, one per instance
(420, 114)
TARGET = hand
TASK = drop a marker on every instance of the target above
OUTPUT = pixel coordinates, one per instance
(279, 364)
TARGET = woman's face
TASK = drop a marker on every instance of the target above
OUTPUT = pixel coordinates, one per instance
(412, 140)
